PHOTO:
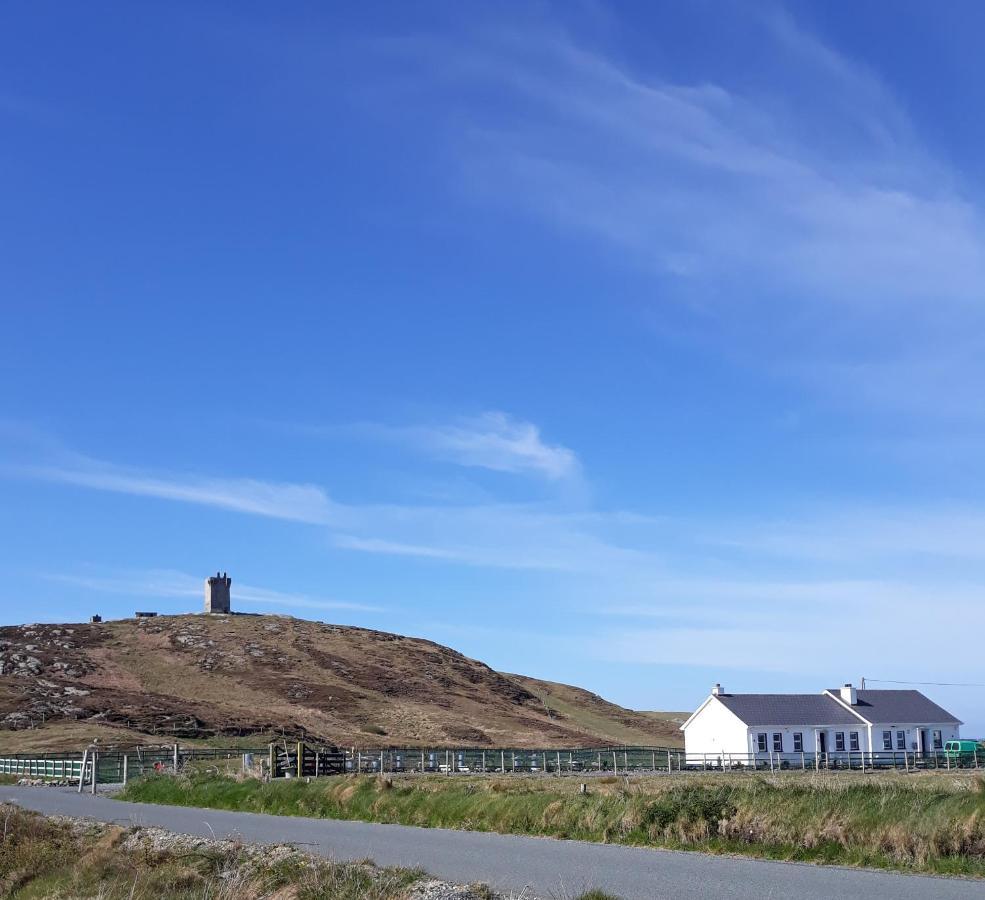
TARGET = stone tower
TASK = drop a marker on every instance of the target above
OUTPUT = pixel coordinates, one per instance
(217, 593)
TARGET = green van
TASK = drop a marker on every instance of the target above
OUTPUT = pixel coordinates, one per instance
(964, 751)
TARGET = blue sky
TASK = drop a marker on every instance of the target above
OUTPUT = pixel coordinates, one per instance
(637, 345)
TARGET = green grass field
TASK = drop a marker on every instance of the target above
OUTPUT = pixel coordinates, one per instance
(925, 824)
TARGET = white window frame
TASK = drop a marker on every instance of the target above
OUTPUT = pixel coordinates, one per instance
(887, 740)
(798, 742)
(839, 741)
(900, 739)
(853, 743)
(762, 742)
(938, 739)
(777, 741)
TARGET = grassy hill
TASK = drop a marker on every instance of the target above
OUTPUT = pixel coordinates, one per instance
(592, 713)
(242, 678)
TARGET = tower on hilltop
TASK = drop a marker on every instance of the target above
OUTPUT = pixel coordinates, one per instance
(217, 593)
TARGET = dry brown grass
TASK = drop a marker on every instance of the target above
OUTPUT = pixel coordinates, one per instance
(247, 674)
(930, 822)
(42, 857)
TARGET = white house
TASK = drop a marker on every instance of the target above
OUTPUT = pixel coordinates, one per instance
(837, 721)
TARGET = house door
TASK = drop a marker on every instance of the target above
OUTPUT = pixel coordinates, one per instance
(822, 742)
(923, 741)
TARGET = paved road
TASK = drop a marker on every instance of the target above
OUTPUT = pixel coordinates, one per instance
(548, 868)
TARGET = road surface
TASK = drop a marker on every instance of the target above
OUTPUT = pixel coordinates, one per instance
(545, 867)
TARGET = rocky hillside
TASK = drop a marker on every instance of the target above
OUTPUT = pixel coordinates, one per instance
(227, 678)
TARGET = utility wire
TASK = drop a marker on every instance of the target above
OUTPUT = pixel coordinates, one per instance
(927, 683)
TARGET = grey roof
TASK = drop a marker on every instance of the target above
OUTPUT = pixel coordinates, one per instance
(903, 707)
(788, 709)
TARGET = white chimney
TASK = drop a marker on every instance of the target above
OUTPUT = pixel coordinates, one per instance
(849, 695)
(716, 690)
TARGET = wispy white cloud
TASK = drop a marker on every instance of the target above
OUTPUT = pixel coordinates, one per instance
(823, 627)
(395, 548)
(496, 535)
(494, 440)
(809, 202)
(702, 180)
(279, 500)
(172, 584)
(860, 533)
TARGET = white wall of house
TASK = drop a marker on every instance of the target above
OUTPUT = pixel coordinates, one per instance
(715, 730)
(948, 732)
(810, 738)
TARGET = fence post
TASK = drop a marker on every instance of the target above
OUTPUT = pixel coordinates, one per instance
(600, 761)
(95, 761)
(559, 764)
(126, 758)
(82, 771)
(176, 758)
(615, 763)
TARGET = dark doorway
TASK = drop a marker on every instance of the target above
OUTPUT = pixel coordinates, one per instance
(822, 741)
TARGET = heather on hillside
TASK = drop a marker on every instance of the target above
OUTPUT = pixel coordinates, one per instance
(228, 679)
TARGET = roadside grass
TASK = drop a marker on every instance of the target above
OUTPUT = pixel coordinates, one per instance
(932, 824)
(64, 858)
(42, 857)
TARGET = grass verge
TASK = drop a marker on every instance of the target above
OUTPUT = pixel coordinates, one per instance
(42, 857)
(932, 825)
(70, 858)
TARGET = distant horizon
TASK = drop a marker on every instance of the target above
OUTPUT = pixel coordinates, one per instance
(636, 346)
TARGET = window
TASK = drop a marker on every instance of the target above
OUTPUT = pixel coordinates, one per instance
(777, 742)
(938, 740)
(900, 740)
(887, 740)
(798, 742)
(840, 741)
(761, 742)
(853, 740)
